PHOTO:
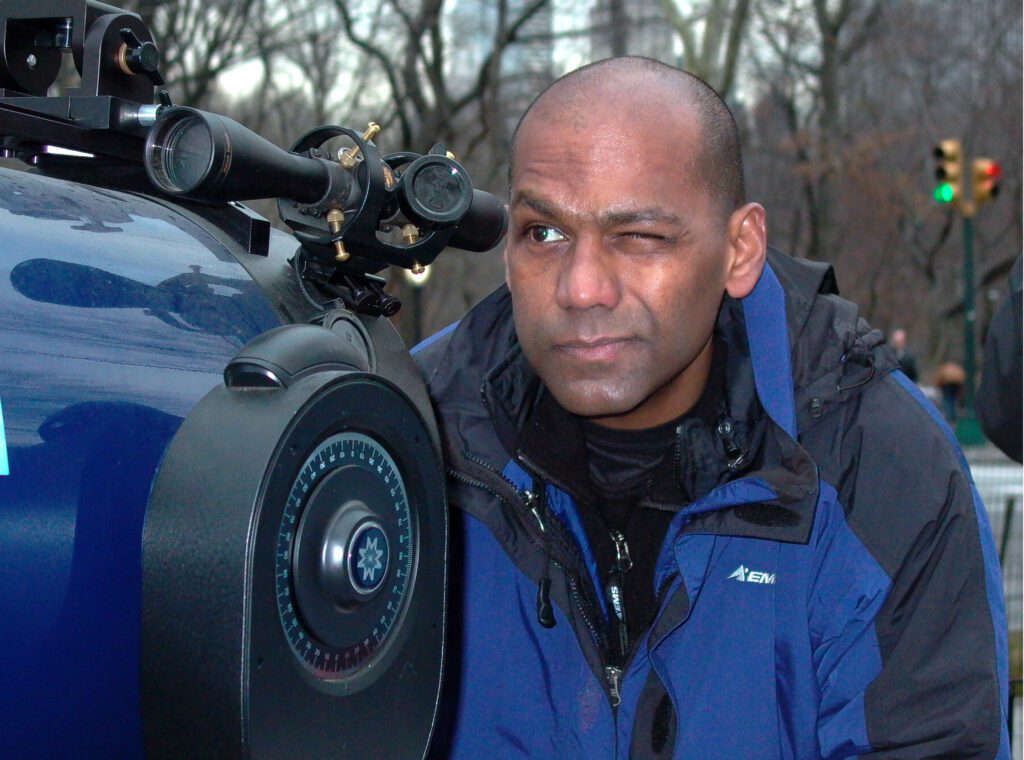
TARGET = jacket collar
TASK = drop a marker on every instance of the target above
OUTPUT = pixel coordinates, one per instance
(764, 313)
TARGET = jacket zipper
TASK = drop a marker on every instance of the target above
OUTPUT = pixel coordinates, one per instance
(545, 613)
(612, 656)
(548, 530)
(583, 606)
(615, 593)
(572, 579)
(615, 674)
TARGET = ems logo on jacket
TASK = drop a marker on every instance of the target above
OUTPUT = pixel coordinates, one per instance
(743, 574)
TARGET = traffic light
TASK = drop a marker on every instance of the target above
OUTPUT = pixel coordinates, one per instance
(948, 170)
(986, 179)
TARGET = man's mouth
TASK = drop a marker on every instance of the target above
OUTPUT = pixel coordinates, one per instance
(605, 348)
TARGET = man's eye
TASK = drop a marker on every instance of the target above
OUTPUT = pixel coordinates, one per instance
(654, 235)
(640, 241)
(540, 233)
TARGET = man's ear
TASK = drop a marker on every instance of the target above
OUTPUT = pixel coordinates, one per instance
(748, 247)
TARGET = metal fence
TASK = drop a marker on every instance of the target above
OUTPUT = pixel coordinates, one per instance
(1000, 484)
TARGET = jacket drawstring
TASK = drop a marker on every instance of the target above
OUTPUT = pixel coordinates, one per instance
(545, 612)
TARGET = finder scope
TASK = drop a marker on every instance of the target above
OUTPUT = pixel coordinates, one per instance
(211, 157)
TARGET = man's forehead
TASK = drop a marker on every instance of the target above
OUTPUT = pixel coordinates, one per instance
(628, 97)
(554, 169)
(609, 130)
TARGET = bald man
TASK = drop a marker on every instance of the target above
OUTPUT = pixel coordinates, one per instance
(696, 514)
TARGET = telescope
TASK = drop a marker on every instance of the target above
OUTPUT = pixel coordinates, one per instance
(222, 505)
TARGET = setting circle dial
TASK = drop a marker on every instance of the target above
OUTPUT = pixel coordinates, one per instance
(346, 556)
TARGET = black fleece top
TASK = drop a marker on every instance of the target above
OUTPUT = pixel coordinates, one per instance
(623, 465)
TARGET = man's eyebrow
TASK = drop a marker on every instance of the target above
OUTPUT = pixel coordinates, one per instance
(639, 216)
(535, 203)
(607, 219)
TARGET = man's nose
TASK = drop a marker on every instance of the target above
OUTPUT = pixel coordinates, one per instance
(588, 277)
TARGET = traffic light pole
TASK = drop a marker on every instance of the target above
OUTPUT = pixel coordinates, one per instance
(968, 430)
(966, 191)
(969, 312)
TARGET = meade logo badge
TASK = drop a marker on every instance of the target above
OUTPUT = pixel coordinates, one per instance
(743, 574)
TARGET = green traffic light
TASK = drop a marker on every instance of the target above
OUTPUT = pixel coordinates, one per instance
(944, 193)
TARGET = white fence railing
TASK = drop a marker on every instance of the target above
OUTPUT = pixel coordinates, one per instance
(1000, 484)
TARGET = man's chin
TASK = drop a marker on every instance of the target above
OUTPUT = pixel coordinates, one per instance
(594, 405)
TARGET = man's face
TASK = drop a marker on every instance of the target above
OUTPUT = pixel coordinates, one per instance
(616, 260)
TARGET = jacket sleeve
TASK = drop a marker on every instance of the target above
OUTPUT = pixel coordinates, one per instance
(906, 608)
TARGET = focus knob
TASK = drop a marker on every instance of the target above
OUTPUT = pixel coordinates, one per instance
(138, 57)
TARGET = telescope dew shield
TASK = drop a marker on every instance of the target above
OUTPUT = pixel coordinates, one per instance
(483, 226)
(435, 191)
(213, 158)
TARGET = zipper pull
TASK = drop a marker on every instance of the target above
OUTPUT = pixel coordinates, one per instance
(623, 561)
(615, 592)
(530, 500)
(732, 449)
(545, 613)
(614, 677)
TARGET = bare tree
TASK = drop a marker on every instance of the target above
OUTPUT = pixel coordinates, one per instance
(814, 42)
(900, 253)
(199, 40)
(427, 99)
(712, 32)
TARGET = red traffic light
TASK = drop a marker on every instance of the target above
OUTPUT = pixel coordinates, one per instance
(986, 179)
(993, 170)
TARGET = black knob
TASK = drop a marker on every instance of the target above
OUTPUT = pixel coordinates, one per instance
(142, 57)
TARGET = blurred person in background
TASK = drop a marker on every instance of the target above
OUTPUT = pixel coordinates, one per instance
(908, 363)
(949, 379)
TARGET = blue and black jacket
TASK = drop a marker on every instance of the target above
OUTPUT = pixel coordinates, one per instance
(838, 595)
